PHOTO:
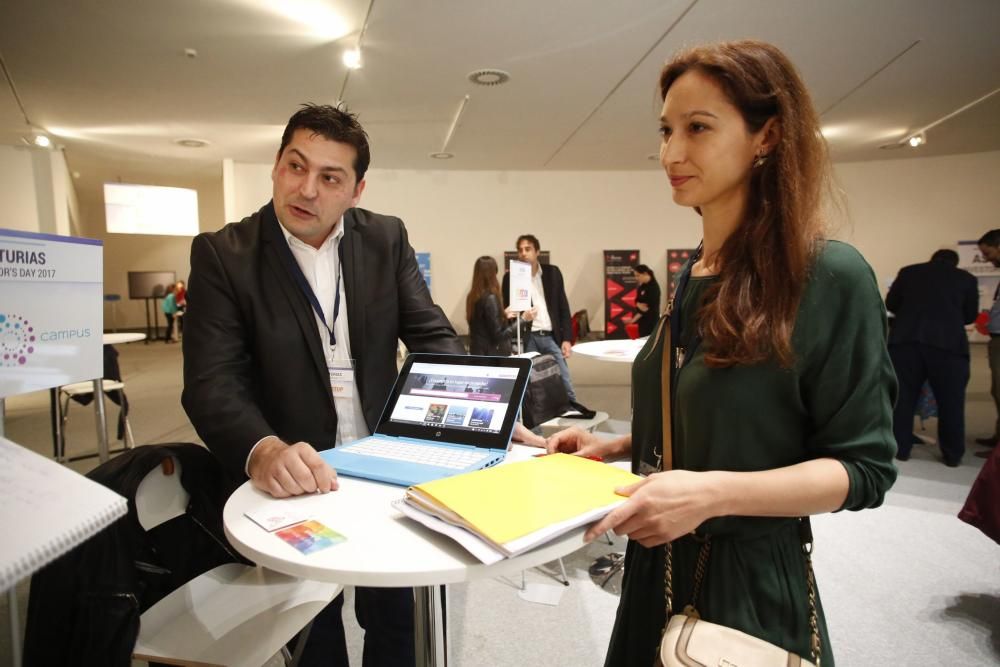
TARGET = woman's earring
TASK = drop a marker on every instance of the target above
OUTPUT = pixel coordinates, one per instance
(759, 160)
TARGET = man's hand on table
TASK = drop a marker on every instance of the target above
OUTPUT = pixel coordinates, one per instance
(290, 470)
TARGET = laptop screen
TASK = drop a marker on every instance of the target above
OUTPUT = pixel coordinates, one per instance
(458, 399)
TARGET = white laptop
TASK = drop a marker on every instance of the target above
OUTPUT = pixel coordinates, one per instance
(447, 414)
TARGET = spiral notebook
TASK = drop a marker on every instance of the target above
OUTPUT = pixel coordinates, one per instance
(47, 510)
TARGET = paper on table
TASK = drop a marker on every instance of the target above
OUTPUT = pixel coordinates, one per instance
(473, 544)
(275, 515)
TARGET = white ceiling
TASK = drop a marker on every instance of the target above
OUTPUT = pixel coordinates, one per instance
(110, 80)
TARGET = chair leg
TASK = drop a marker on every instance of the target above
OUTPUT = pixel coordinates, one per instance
(129, 437)
(562, 568)
(64, 415)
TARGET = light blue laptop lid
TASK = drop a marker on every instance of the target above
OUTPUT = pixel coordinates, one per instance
(467, 403)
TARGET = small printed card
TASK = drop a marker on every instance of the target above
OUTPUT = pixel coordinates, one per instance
(310, 536)
(274, 517)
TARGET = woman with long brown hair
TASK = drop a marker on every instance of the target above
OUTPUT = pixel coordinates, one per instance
(489, 332)
(780, 383)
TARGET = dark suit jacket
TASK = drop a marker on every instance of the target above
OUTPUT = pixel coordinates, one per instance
(555, 301)
(253, 358)
(932, 302)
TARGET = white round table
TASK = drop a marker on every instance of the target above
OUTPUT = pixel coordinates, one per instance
(623, 350)
(120, 338)
(383, 549)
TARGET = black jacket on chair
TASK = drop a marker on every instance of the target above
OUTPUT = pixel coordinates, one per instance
(84, 608)
(488, 333)
(932, 302)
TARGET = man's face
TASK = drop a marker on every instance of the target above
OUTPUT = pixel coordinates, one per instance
(990, 253)
(314, 183)
(526, 252)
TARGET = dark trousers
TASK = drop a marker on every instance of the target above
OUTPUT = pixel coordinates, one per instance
(386, 614)
(948, 374)
(994, 357)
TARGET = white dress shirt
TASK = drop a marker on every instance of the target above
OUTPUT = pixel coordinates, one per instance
(542, 321)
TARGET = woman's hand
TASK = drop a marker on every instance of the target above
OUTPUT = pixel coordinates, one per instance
(661, 508)
(577, 441)
(509, 313)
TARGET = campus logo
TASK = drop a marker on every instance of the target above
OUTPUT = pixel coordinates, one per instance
(17, 340)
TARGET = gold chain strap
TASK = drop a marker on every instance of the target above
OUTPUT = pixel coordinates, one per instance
(699, 577)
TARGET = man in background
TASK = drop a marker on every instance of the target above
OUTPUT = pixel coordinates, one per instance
(549, 315)
(291, 339)
(932, 302)
(989, 248)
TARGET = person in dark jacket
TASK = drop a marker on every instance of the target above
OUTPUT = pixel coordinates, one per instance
(932, 302)
(489, 330)
(647, 301)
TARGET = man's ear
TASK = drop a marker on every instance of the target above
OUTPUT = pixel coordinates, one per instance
(358, 189)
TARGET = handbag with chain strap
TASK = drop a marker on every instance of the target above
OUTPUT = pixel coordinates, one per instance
(687, 640)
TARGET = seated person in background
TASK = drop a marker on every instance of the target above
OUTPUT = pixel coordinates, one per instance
(647, 300)
(489, 330)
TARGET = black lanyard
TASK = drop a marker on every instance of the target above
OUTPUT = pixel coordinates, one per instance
(300, 278)
(682, 355)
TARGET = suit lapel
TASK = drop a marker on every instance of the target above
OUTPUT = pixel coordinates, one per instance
(352, 255)
(277, 262)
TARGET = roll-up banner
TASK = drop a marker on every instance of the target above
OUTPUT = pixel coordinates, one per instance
(619, 291)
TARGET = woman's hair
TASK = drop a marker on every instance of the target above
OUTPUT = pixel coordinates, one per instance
(484, 281)
(645, 270)
(749, 313)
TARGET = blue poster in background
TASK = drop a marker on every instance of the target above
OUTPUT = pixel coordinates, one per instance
(424, 262)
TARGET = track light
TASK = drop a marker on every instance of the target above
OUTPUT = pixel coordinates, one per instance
(917, 140)
(42, 140)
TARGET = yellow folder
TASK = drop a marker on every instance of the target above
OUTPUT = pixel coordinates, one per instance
(514, 500)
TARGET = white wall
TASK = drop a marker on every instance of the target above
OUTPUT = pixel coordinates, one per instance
(143, 252)
(901, 211)
(17, 189)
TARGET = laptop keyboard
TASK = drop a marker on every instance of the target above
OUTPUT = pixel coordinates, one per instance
(443, 457)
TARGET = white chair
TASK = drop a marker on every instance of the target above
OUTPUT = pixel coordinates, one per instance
(232, 615)
(67, 392)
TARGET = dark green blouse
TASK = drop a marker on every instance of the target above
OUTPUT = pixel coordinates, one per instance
(836, 401)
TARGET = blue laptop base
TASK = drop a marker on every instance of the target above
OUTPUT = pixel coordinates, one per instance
(401, 473)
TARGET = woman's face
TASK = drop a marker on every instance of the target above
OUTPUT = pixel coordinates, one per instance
(707, 149)
(640, 278)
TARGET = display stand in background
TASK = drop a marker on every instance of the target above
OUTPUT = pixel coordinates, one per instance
(619, 291)
(113, 299)
(520, 293)
(51, 321)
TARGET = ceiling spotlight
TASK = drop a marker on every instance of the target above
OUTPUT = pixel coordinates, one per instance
(917, 140)
(191, 143)
(442, 155)
(42, 140)
(489, 77)
(352, 58)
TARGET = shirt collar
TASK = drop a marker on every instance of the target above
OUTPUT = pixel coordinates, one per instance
(334, 237)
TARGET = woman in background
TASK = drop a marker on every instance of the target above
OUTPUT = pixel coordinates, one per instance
(489, 331)
(781, 383)
(169, 307)
(647, 299)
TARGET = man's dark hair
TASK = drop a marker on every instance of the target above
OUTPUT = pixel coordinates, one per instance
(334, 124)
(945, 256)
(991, 238)
(530, 238)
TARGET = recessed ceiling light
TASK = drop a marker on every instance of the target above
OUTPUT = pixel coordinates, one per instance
(489, 77)
(442, 156)
(42, 140)
(191, 143)
(352, 58)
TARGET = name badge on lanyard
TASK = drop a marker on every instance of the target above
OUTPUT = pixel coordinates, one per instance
(341, 377)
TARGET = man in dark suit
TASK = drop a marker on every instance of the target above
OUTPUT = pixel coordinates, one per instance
(932, 302)
(549, 317)
(291, 337)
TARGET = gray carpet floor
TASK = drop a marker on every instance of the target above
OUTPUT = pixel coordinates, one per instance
(905, 584)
